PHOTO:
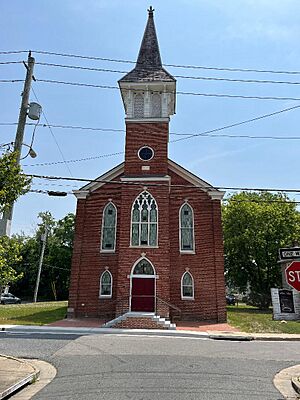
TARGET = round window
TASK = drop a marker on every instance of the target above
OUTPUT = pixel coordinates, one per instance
(146, 153)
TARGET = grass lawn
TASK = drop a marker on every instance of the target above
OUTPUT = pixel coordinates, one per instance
(32, 313)
(250, 319)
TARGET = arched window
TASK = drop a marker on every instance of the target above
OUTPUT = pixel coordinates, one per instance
(105, 284)
(138, 106)
(144, 221)
(109, 221)
(186, 228)
(143, 267)
(187, 286)
(156, 105)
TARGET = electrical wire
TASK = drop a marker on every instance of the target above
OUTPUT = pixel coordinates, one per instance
(92, 85)
(52, 133)
(221, 95)
(230, 69)
(205, 78)
(74, 161)
(208, 187)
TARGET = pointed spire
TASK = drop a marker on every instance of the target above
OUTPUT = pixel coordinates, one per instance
(148, 66)
(149, 55)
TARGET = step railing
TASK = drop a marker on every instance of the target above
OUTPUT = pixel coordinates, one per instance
(173, 312)
(115, 308)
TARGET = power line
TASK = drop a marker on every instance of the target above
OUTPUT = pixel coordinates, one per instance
(168, 65)
(239, 123)
(14, 52)
(171, 133)
(45, 192)
(221, 95)
(184, 66)
(205, 78)
(11, 80)
(73, 161)
(11, 62)
(208, 187)
(92, 85)
(51, 131)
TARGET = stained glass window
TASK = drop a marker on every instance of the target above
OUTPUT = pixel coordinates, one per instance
(186, 228)
(106, 284)
(144, 221)
(187, 286)
(109, 228)
(143, 267)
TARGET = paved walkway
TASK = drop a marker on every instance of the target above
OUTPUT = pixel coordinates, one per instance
(14, 374)
(180, 325)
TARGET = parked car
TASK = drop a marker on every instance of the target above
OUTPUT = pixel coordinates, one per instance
(8, 298)
(230, 300)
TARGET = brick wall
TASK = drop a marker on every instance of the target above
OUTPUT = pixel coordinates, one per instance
(206, 265)
(139, 323)
(154, 135)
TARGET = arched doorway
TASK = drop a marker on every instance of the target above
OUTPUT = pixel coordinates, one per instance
(142, 287)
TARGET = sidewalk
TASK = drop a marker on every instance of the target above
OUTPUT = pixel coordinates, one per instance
(15, 374)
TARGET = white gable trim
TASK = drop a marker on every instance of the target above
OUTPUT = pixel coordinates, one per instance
(100, 181)
(214, 193)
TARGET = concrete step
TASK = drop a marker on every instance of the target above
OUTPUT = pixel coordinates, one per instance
(141, 316)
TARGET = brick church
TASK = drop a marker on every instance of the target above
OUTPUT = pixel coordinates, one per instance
(148, 237)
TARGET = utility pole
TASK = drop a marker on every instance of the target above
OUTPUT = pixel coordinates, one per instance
(5, 222)
(37, 283)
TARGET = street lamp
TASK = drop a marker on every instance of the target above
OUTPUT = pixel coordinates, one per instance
(30, 152)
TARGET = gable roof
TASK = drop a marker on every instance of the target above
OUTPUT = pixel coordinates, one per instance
(118, 170)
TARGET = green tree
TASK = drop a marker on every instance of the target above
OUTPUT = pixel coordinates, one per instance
(9, 258)
(55, 277)
(13, 182)
(255, 226)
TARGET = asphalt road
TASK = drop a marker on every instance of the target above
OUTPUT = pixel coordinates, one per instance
(119, 367)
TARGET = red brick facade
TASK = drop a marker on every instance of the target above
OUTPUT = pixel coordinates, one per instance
(170, 193)
(148, 93)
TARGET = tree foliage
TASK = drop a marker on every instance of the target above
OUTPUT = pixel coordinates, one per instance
(55, 276)
(255, 226)
(13, 182)
(10, 256)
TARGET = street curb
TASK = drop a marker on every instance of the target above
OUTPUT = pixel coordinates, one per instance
(296, 384)
(22, 382)
(214, 335)
(237, 338)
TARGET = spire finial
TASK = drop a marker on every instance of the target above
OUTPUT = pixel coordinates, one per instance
(150, 11)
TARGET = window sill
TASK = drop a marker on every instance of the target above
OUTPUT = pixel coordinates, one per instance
(187, 298)
(108, 251)
(144, 247)
(187, 252)
(105, 296)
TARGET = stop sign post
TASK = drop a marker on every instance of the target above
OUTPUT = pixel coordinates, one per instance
(292, 275)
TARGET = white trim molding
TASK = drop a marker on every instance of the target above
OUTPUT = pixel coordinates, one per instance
(187, 251)
(193, 287)
(106, 296)
(81, 194)
(113, 250)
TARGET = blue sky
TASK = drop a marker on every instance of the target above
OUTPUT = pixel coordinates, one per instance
(246, 34)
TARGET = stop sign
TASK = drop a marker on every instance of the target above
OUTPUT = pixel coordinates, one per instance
(292, 275)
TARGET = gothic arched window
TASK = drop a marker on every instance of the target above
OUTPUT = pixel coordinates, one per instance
(186, 228)
(109, 221)
(187, 286)
(143, 267)
(105, 284)
(138, 106)
(156, 105)
(144, 221)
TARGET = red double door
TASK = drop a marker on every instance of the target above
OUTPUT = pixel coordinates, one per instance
(143, 294)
